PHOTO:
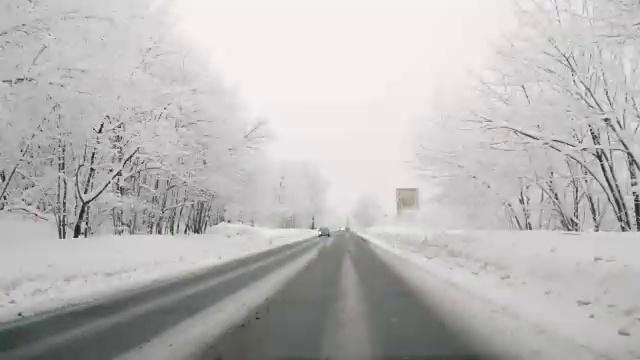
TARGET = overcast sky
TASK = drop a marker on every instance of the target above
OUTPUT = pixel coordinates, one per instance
(344, 84)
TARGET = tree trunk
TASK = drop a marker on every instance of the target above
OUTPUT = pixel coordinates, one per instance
(180, 215)
(86, 221)
(77, 229)
(3, 192)
(65, 192)
(61, 192)
(187, 223)
(524, 201)
(592, 208)
(83, 212)
(634, 191)
(620, 208)
(59, 196)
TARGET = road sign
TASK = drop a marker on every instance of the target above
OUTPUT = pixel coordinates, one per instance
(407, 199)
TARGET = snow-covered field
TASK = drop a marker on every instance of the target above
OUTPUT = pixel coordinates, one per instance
(582, 288)
(39, 272)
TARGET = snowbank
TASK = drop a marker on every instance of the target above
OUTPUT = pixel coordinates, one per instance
(584, 287)
(38, 273)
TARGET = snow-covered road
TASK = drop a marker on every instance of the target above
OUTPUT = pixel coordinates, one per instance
(38, 273)
(113, 326)
(322, 298)
(346, 297)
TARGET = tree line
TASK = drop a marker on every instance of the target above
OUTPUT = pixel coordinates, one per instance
(549, 137)
(109, 124)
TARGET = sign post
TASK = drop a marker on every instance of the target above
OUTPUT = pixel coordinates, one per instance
(407, 199)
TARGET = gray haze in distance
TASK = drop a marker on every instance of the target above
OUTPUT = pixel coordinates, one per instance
(345, 85)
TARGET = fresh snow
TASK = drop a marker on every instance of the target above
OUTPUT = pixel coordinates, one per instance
(40, 273)
(581, 287)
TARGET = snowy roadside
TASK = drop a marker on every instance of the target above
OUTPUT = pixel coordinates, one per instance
(39, 274)
(582, 288)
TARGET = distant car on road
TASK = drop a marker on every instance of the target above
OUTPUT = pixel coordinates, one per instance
(323, 231)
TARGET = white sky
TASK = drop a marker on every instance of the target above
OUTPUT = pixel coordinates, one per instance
(343, 84)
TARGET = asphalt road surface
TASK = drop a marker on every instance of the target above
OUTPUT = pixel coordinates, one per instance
(347, 304)
(344, 304)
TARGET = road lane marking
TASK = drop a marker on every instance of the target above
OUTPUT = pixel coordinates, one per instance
(347, 335)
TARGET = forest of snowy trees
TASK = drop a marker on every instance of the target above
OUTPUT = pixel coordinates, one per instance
(108, 124)
(550, 138)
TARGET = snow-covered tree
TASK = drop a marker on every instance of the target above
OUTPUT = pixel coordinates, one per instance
(110, 124)
(552, 131)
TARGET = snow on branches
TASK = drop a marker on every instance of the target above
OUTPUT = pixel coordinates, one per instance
(557, 119)
(107, 123)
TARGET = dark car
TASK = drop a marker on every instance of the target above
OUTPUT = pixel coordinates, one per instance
(323, 231)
